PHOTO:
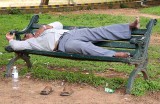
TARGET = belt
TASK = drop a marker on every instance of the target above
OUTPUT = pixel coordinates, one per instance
(57, 43)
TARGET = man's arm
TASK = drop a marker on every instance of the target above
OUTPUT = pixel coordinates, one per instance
(56, 25)
(42, 29)
(17, 45)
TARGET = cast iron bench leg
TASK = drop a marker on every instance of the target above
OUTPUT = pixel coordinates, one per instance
(10, 64)
(13, 60)
(26, 58)
(145, 75)
(132, 77)
(144, 71)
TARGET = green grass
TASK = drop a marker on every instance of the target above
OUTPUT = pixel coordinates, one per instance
(151, 10)
(48, 68)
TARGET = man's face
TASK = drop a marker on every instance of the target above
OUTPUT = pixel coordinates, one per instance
(28, 36)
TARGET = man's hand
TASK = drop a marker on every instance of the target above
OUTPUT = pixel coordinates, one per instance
(41, 30)
(9, 36)
(38, 32)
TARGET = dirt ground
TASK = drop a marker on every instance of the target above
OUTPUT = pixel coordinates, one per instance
(29, 91)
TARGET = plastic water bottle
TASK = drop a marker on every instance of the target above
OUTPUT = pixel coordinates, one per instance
(108, 89)
(15, 78)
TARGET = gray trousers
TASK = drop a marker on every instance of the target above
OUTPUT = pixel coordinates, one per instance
(81, 40)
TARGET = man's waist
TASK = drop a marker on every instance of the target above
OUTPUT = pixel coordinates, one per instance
(58, 41)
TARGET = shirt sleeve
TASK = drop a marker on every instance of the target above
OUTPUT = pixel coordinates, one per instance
(19, 45)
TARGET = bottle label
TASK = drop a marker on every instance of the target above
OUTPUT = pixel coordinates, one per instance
(109, 90)
(15, 75)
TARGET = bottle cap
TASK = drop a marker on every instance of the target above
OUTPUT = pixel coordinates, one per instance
(14, 67)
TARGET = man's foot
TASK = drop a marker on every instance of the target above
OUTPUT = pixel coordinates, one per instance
(135, 24)
(122, 54)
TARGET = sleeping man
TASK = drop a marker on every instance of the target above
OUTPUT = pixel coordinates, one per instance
(53, 37)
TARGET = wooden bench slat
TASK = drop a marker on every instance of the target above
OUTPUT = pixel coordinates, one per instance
(76, 56)
(137, 36)
(139, 32)
(115, 44)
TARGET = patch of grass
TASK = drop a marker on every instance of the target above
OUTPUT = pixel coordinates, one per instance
(151, 10)
(42, 64)
(154, 52)
(43, 73)
(141, 86)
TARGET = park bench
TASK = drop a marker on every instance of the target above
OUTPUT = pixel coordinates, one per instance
(137, 46)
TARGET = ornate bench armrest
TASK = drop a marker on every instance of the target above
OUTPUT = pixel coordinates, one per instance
(137, 41)
(32, 24)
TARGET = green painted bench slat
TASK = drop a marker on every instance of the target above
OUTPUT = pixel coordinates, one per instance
(115, 44)
(75, 56)
(139, 32)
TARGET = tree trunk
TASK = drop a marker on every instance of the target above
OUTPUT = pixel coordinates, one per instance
(44, 2)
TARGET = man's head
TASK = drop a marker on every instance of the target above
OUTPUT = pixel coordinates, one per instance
(28, 36)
